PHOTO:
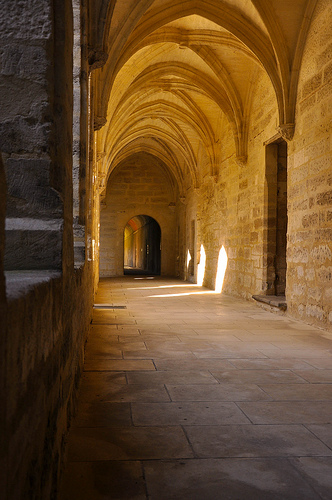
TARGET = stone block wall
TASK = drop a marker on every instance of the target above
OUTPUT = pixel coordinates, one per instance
(231, 207)
(309, 277)
(28, 128)
(3, 321)
(44, 333)
(139, 186)
(45, 306)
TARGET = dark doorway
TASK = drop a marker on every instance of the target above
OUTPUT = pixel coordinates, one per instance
(276, 177)
(142, 250)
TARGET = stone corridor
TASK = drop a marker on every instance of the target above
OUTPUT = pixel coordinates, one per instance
(192, 395)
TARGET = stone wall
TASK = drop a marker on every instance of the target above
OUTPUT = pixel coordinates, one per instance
(139, 186)
(231, 207)
(3, 321)
(309, 278)
(47, 309)
(46, 328)
(29, 104)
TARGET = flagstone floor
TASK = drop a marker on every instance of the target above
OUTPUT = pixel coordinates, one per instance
(192, 395)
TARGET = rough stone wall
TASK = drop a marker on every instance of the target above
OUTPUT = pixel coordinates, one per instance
(47, 324)
(3, 321)
(309, 277)
(27, 135)
(46, 312)
(231, 209)
(137, 187)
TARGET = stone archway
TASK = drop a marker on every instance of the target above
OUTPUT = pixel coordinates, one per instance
(142, 246)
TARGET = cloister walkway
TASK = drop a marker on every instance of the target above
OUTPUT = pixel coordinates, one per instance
(193, 395)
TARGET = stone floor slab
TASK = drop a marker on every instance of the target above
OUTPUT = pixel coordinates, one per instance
(258, 376)
(254, 441)
(318, 472)
(270, 364)
(103, 414)
(122, 443)
(126, 393)
(226, 479)
(223, 354)
(221, 392)
(183, 413)
(158, 354)
(172, 377)
(111, 480)
(316, 376)
(323, 432)
(299, 392)
(290, 412)
(102, 353)
(118, 365)
(193, 364)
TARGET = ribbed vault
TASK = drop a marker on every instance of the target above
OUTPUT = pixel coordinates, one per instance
(169, 71)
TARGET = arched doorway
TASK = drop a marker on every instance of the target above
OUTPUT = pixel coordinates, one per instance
(142, 251)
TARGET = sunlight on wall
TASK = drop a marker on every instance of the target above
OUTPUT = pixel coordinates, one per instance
(221, 270)
(188, 259)
(93, 249)
(201, 267)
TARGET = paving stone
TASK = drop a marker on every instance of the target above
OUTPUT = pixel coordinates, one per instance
(297, 353)
(126, 393)
(290, 412)
(224, 354)
(103, 330)
(270, 364)
(124, 443)
(229, 479)
(149, 354)
(111, 480)
(319, 363)
(212, 413)
(97, 353)
(299, 392)
(316, 376)
(220, 392)
(95, 383)
(101, 414)
(254, 441)
(118, 365)
(171, 377)
(167, 345)
(323, 432)
(193, 364)
(318, 472)
(258, 376)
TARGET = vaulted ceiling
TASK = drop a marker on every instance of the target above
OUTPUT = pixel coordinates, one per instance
(169, 74)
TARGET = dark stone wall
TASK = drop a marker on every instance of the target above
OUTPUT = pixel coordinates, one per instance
(45, 304)
(33, 93)
(47, 324)
(3, 321)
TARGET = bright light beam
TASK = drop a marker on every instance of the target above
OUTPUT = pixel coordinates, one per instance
(221, 270)
(188, 259)
(201, 267)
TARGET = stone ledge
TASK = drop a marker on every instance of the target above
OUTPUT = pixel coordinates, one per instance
(19, 283)
(278, 301)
